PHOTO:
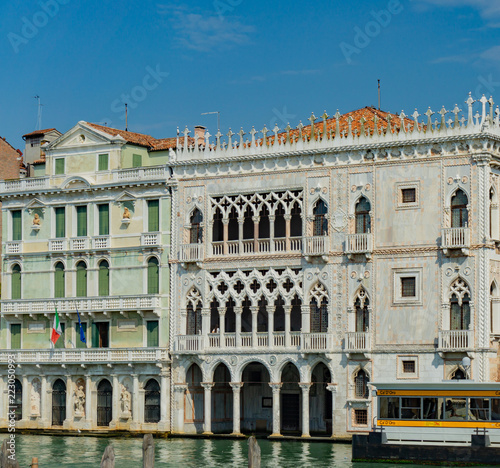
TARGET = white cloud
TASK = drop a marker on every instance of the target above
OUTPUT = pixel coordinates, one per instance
(492, 54)
(487, 8)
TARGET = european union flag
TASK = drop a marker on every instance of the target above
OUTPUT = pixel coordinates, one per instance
(82, 333)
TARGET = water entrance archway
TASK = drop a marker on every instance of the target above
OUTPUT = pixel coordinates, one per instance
(256, 399)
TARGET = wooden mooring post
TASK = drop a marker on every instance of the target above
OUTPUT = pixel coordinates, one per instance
(5, 461)
(108, 458)
(148, 451)
(34, 462)
(253, 453)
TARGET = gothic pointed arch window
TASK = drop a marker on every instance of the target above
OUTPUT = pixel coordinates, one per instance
(233, 226)
(81, 279)
(59, 280)
(248, 224)
(193, 312)
(361, 303)
(103, 278)
(264, 225)
(459, 213)
(361, 380)
(362, 215)
(16, 282)
(458, 374)
(279, 222)
(319, 309)
(320, 222)
(459, 305)
(296, 220)
(195, 227)
(218, 226)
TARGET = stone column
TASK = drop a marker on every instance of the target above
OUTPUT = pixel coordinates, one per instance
(305, 386)
(306, 318)
(238, 311)
(135, 398)
(288, 218)
(205, 325)
(331, 387)
(276, 387)
(164, 400)
(179, 392)
(240, 234)
(256, 220)
(222, 326)
(271, 233)
(69, 401)
(207, 406)
(270, 325)
(254, 310)
(116, 410)
(88, 401)
(4, 403)
(26, 398)
(288, 312)
(225, 224)
(236, 386)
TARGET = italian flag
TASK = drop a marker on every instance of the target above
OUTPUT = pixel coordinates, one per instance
(56, 329)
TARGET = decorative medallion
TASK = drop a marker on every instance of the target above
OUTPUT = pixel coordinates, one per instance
(465, 179)
(324, 190)
(200, 199)
(272, 360)
(233, 360)
(312, 191)
(368, 187)
(467, 271)
(450, 180)
(449, 272)
(188, 199)
(324, 276)
(367, 274)
(354, 275)
(354, 188)
(339, 220)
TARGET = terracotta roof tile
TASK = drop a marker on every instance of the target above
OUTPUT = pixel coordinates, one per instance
(39, 132)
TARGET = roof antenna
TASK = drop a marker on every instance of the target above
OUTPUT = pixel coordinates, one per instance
(218, 118)
(39, 116)
(126, 117)
(378, 94)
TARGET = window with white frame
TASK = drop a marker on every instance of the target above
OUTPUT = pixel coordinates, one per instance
(407, 286)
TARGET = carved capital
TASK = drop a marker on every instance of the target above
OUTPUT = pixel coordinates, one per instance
(236, 386)
(275, 387)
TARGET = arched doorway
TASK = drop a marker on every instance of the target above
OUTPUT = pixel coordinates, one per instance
(256, 399)
(152, 402)
(194, 398)
(58, 403)
(18, 400)
(320, 401)
(291, 401)
(222, 401)
(104, 403)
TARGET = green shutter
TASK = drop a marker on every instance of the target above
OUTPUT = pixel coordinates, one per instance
(103, 279)
(95, 336)
(60, 341)
(153, 215)
(136, 160)
(15, 336)
(59, 166)
(152, 333)
(60, 222)
(103, 220)
(153, 276)
(81, 280)
(79, 343)
(16, 282)
(81, 221)
(103, 162)
(59, 281)
(17, 233)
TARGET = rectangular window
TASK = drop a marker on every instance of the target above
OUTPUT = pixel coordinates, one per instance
(361, 417)
(100, 335)
(408, 287)
(152, 333)
(81, 221)
(410, 408)
(60, 222)
(17, 233)
(103, 162)
(409, 367)
(59, 166)
(409, 195)
(103, 219)
(153, 215)
(79, 343)
(479, 409)
(389, 407)
(60, 343)
(15, 336)
(136, 160)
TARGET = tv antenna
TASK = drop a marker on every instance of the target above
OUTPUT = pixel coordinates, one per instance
(39, 116)
(218, 118)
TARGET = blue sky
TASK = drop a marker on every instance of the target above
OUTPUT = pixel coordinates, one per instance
(258, 63)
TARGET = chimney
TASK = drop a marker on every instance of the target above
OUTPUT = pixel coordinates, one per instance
(199, 134)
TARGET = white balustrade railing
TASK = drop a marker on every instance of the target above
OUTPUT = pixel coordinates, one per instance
(246, 340)
(108, 355)
(191, 253)
(357, 341)
(13, 247)
(101, 242)
(217, 248)
(279, 245)
(141, 173)
(315, 342)
(230, 340)
(317, 245)
(262, 340)
(264, 245)
(21, 185)
(295, 244)
(79, 243)
(233, 247)
(454, 340)
(248, 246)
(150, 238)
(57, 245)
(214, 340)
(295, 339)
(188, 343)
(455, 238)
(279, 339)
(359, 243)
(87, 304)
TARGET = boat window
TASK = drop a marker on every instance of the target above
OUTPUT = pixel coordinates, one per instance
(389, 408)
(455, 409)
(495, 409)
(433, 408)
(479, 409)
(410, 408)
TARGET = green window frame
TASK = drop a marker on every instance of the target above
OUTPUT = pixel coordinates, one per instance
(81, 279)
(59, 280)
(81, 221)
(136, 160)
(16, 282)
(103, 219)
(60, 214)
(153, 276)
(60, 343)
(103, 162)
(153, 215)
(17, 225)
(79, 343)
(59, 169)
(15, 336)
(152, 336)
(103, 278)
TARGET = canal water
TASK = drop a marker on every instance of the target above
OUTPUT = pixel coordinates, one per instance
(86, 452)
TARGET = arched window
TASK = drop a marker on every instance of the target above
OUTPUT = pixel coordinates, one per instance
(58, 403)
(264, 227)
(246, 317)
(279, 222)
(230, 317)
(153, 276)
(81, 279)
(319, 309)
(103, 278)
(362, 316)
(320, 223)
(362, 213)
(104, 403)
(59, 280)
(152, 402)
(16, 282)
(459, 374)
(214, 317)
(248, 224)
(18, 400)
(459, 306)
(361, 384)
(195, 230)
(296, 221)
(193, 316)
(233, 227)
(459, 214)
(296, 315)
(218, 227)
(262, 323)
(279, 315)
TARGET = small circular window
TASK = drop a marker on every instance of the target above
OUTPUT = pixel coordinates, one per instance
(82, 138)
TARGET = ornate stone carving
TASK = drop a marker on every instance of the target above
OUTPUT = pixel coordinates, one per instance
(125, 399)
(79, 399)
(35, 397)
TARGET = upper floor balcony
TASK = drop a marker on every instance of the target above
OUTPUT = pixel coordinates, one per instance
(453, 239)
(257, 246)
(357, 342)
(455, 340)
(359, 244)
(192, 253)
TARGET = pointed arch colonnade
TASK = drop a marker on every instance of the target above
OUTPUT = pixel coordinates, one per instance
(256, 397)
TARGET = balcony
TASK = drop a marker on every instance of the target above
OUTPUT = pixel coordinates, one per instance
(141, 173)
(58, 245)
(79, 243)
(316, 246)
(453, 239)
(150, 239)
(101, 242)
(257, 246)
(357, 342)
(14, 247)
(83, 304)
(83, 356)
(455, 341)
(359, 244)
(191, 253)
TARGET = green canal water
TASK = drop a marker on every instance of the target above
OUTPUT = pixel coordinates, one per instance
(86, 452)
